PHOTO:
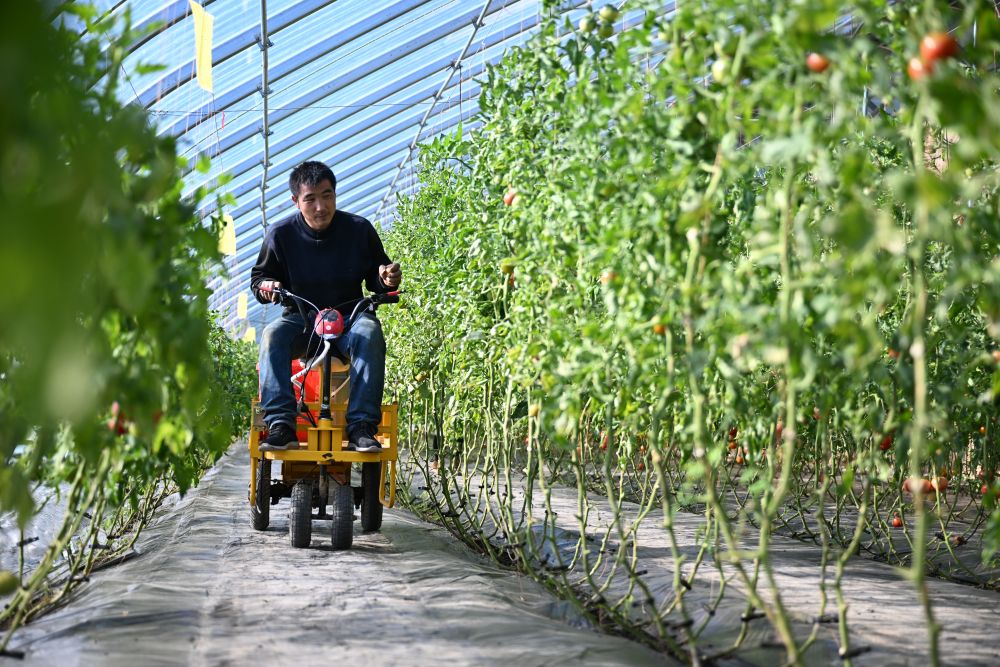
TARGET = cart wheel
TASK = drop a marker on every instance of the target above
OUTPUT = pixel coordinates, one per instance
(342, 512)
(300, 516)
(371, 497)
(260, 511)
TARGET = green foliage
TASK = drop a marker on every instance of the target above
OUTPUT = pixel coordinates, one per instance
(234, 362)
(116, 384)
(690, 254)
(105, 268)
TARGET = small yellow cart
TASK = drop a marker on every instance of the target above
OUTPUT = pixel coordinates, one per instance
(319, 472)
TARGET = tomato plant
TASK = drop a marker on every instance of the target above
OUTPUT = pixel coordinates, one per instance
(116, 385)
(819, 258)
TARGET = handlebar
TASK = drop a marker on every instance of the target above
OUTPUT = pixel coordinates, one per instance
(363, 304)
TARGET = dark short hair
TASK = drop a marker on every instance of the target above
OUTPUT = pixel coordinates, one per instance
(310, 173)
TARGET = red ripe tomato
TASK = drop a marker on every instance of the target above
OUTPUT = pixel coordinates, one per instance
(909, 484)
(897, 522)
(641, 466)
(886, 442)
(778, 429)
(984, 489)
(608, 276)
(118, 424)
(982, 430)
(739, 460)
(732, 433)
(940, 484)
(732, 444)
(508, 198)
(918, 69)
(936, 46)
(817, 62)
(659, 329)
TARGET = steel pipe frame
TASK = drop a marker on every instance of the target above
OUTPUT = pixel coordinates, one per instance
(238, 187)
(456, 66)
(169, 14)
(291, 64)
(318, 93)
(325, 144)
(265, 42)
(184, 73)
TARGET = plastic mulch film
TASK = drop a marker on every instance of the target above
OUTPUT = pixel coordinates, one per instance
(207, 589)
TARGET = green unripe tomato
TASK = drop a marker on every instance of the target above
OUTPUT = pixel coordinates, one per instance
(720, 70)
(8, 582)
(606, 30)
(608, 13)
(587, 24)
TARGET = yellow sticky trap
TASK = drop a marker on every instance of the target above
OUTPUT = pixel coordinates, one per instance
(227, 236)
(250, 335)
(241, 306)
(202, 44)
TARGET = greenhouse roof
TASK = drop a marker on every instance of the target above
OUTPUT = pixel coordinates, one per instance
(353, 83)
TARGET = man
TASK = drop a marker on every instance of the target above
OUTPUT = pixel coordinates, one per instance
(322, 255)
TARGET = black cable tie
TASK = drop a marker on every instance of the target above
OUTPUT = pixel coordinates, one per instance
(26, 541)
(752, 616)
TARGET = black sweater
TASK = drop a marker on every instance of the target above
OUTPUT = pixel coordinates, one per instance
(325, 267)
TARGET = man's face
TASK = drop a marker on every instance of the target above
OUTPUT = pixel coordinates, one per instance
(317, 203)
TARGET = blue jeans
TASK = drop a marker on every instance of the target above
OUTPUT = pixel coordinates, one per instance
(363, 343)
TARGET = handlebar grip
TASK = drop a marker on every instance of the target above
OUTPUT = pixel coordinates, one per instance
(387, 297)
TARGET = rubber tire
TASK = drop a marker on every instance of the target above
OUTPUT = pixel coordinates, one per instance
(371, 500)
(300, 515)
(260, 511)
(342, 513)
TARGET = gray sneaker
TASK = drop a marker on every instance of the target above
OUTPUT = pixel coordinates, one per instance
(280, 437)
(362, 439)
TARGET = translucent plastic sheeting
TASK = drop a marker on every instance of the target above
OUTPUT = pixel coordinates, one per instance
(208, 589)
(38, 534)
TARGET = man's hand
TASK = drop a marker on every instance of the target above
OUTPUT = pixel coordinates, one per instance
(390, 274)
(267, 287)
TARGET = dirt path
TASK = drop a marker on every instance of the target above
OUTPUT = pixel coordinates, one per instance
(209, 590)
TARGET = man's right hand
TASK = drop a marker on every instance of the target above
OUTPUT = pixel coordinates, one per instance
(267, 288)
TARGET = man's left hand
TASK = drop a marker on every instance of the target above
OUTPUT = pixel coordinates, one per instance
(390, 274)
